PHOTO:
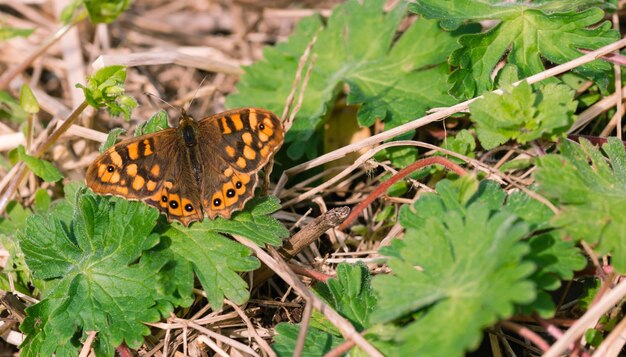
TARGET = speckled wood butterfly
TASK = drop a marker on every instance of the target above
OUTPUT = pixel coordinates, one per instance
(207, 167)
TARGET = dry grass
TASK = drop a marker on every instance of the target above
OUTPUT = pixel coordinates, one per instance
(171, 48)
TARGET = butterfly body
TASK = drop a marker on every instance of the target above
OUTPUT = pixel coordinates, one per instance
(201, 168)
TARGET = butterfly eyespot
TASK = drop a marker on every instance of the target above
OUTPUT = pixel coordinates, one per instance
(262, 126)
(164, 198)
(188, 207)
(173, 204)
(230, 193)
(217, 202)
(110, 168)
(238, 185)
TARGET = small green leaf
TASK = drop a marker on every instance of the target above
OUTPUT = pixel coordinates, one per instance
(10, 109)
(157, 122)
(524, 115)
(253, 223)
(28, 102)
(463, 143)
(42, 200)
(106, 89)
(111, 139)
(7, 33)
(591, 196)
(105, 11)
(70, 12)
(317, 342)
(42, 168)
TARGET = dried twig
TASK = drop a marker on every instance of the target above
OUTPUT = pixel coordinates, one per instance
(280, 268)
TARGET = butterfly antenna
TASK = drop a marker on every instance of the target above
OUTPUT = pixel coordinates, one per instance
(163, 101)
(196, 93)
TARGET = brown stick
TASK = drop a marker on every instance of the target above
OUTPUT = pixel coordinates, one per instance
(307, 235)
(397, 177)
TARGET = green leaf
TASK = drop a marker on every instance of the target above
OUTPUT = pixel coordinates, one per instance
(105, 11)
(524, 115)
(462, 264)
(42, 168)
(253, 223)
(10, 109)
(215, 258)
(106, 89)
(317, 342)
(99, 11)
(157, 122)
(350, 294)
(28, 102)
(111, 139)
(42, 200)
(525, 35)
(94, 282)
(395, 81)
(7, 33)
(591, 197)
(556, 260)
(463, 143)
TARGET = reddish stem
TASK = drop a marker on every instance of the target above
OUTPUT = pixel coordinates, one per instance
(313, 274)
(397, 177)
(526, 333)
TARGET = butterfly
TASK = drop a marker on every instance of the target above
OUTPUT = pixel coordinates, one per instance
(200, 168)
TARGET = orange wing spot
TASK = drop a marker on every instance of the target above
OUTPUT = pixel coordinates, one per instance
(248, 153)
(253, 118)
(133, 151)
(147, 149)
(116, 158)
(229, 199)
(115, 178)
(243, 179)
(121, 190)
(168, 184)
(151, 185)
(159, 197)
(225, 126)
(187, 204)
(155, 170)
(268, 123)
(237, 122)
(217, 200)
(123, 182)
(106, 177)
(265, 151)
(228, 172)
(264, 138)
(230, 151)
(131, 170)
(173, 205)
(241, 162)
(102, 168)
(247, 138)
(138, 183)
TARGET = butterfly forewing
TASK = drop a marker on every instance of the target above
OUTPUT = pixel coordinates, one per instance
(243, 142)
